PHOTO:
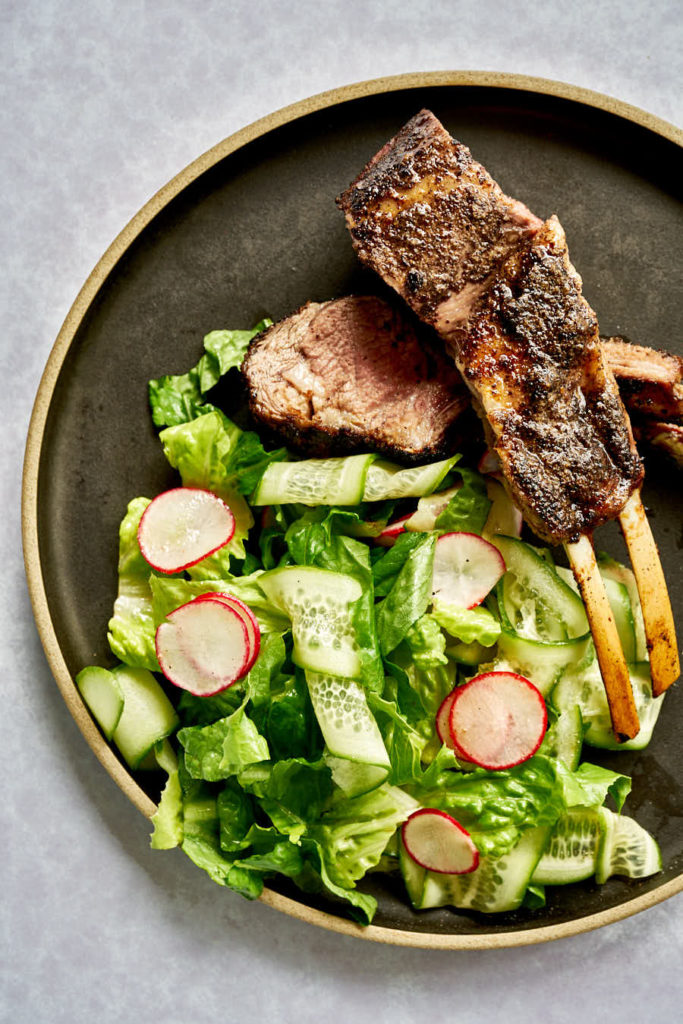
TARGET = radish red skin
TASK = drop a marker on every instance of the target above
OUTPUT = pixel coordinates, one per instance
(144, 520)
(222, 683)
(541, 725)
(250, 620)
(489, 463)
(461, 833)
(389, 534)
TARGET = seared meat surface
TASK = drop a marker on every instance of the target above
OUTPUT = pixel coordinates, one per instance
(499, 287)
(650, 382)
(666, 437)
(431, 220)
(352, 374)
(531, 354)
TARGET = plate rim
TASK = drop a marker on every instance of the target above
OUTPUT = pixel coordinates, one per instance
(34, 444)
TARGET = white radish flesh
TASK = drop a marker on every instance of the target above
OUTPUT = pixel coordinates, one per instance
(247, 616)
(389, 534)
(443, 721)
(497, 720)
(466, 568)
(203, 647)
(489, 462)
(183, 526)
(504, 516)
(429, 509)
(437, 842)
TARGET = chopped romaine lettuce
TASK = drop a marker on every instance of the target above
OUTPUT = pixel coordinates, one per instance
(263, 783)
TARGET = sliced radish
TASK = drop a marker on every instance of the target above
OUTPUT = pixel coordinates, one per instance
(504, 516)
(183, 526)
(203, 647)
(390, 532)
(497, 720)
(438, 842)
(429, 509)
(489, 462)
(466, 567)
(248, 617)
(443, 721)
(267, 517)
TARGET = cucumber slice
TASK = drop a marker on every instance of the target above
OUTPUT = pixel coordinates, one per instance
(147, 717)
(564, 738)
(555, 600)
(619, 599)
(543, 662)
(314, 481)
(318, 602)
(626, 849)
(521, 613)
(102, 693)
(355, 779)
(161, 756)
(572, 850)
(620, 603)
(611, 569)
(584, 689)
(469, 654)
(497, 885)
(387, 480)
(346, 722)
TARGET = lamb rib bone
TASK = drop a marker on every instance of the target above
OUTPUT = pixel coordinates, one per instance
(498, 286)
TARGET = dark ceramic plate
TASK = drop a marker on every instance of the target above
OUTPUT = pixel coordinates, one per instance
(251, 228)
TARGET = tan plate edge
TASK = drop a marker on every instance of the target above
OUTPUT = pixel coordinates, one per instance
(36, 430)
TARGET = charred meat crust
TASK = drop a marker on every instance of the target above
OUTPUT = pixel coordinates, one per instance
(650, 381)
(499, 288)
(352, 375)
(411, 212)
(532, 354)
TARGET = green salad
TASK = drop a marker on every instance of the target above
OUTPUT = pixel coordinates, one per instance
(321, 712)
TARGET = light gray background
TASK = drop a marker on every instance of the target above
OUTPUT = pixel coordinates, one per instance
(100, 104)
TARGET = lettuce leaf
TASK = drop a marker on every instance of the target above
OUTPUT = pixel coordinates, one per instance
(352, 835)
(316, 878)
(291, 727)
(169, 593)
(495, 807)
(590, 785)
(211, 452)
(178, 399)
(132, 628)
(217, 751)
(387, 563)
(467, 624)
(409, 596)
(468, 509)
(427, 643)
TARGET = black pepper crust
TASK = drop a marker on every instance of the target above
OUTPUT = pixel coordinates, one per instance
(532, 349)
(411, 211)
(497, 285)
(385, 388)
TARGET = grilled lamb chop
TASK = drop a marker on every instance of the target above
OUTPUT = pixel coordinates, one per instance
(418, 417)
(650, 382)
(352, 374)
(666, 437)
(499, 288)
(431, 221)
